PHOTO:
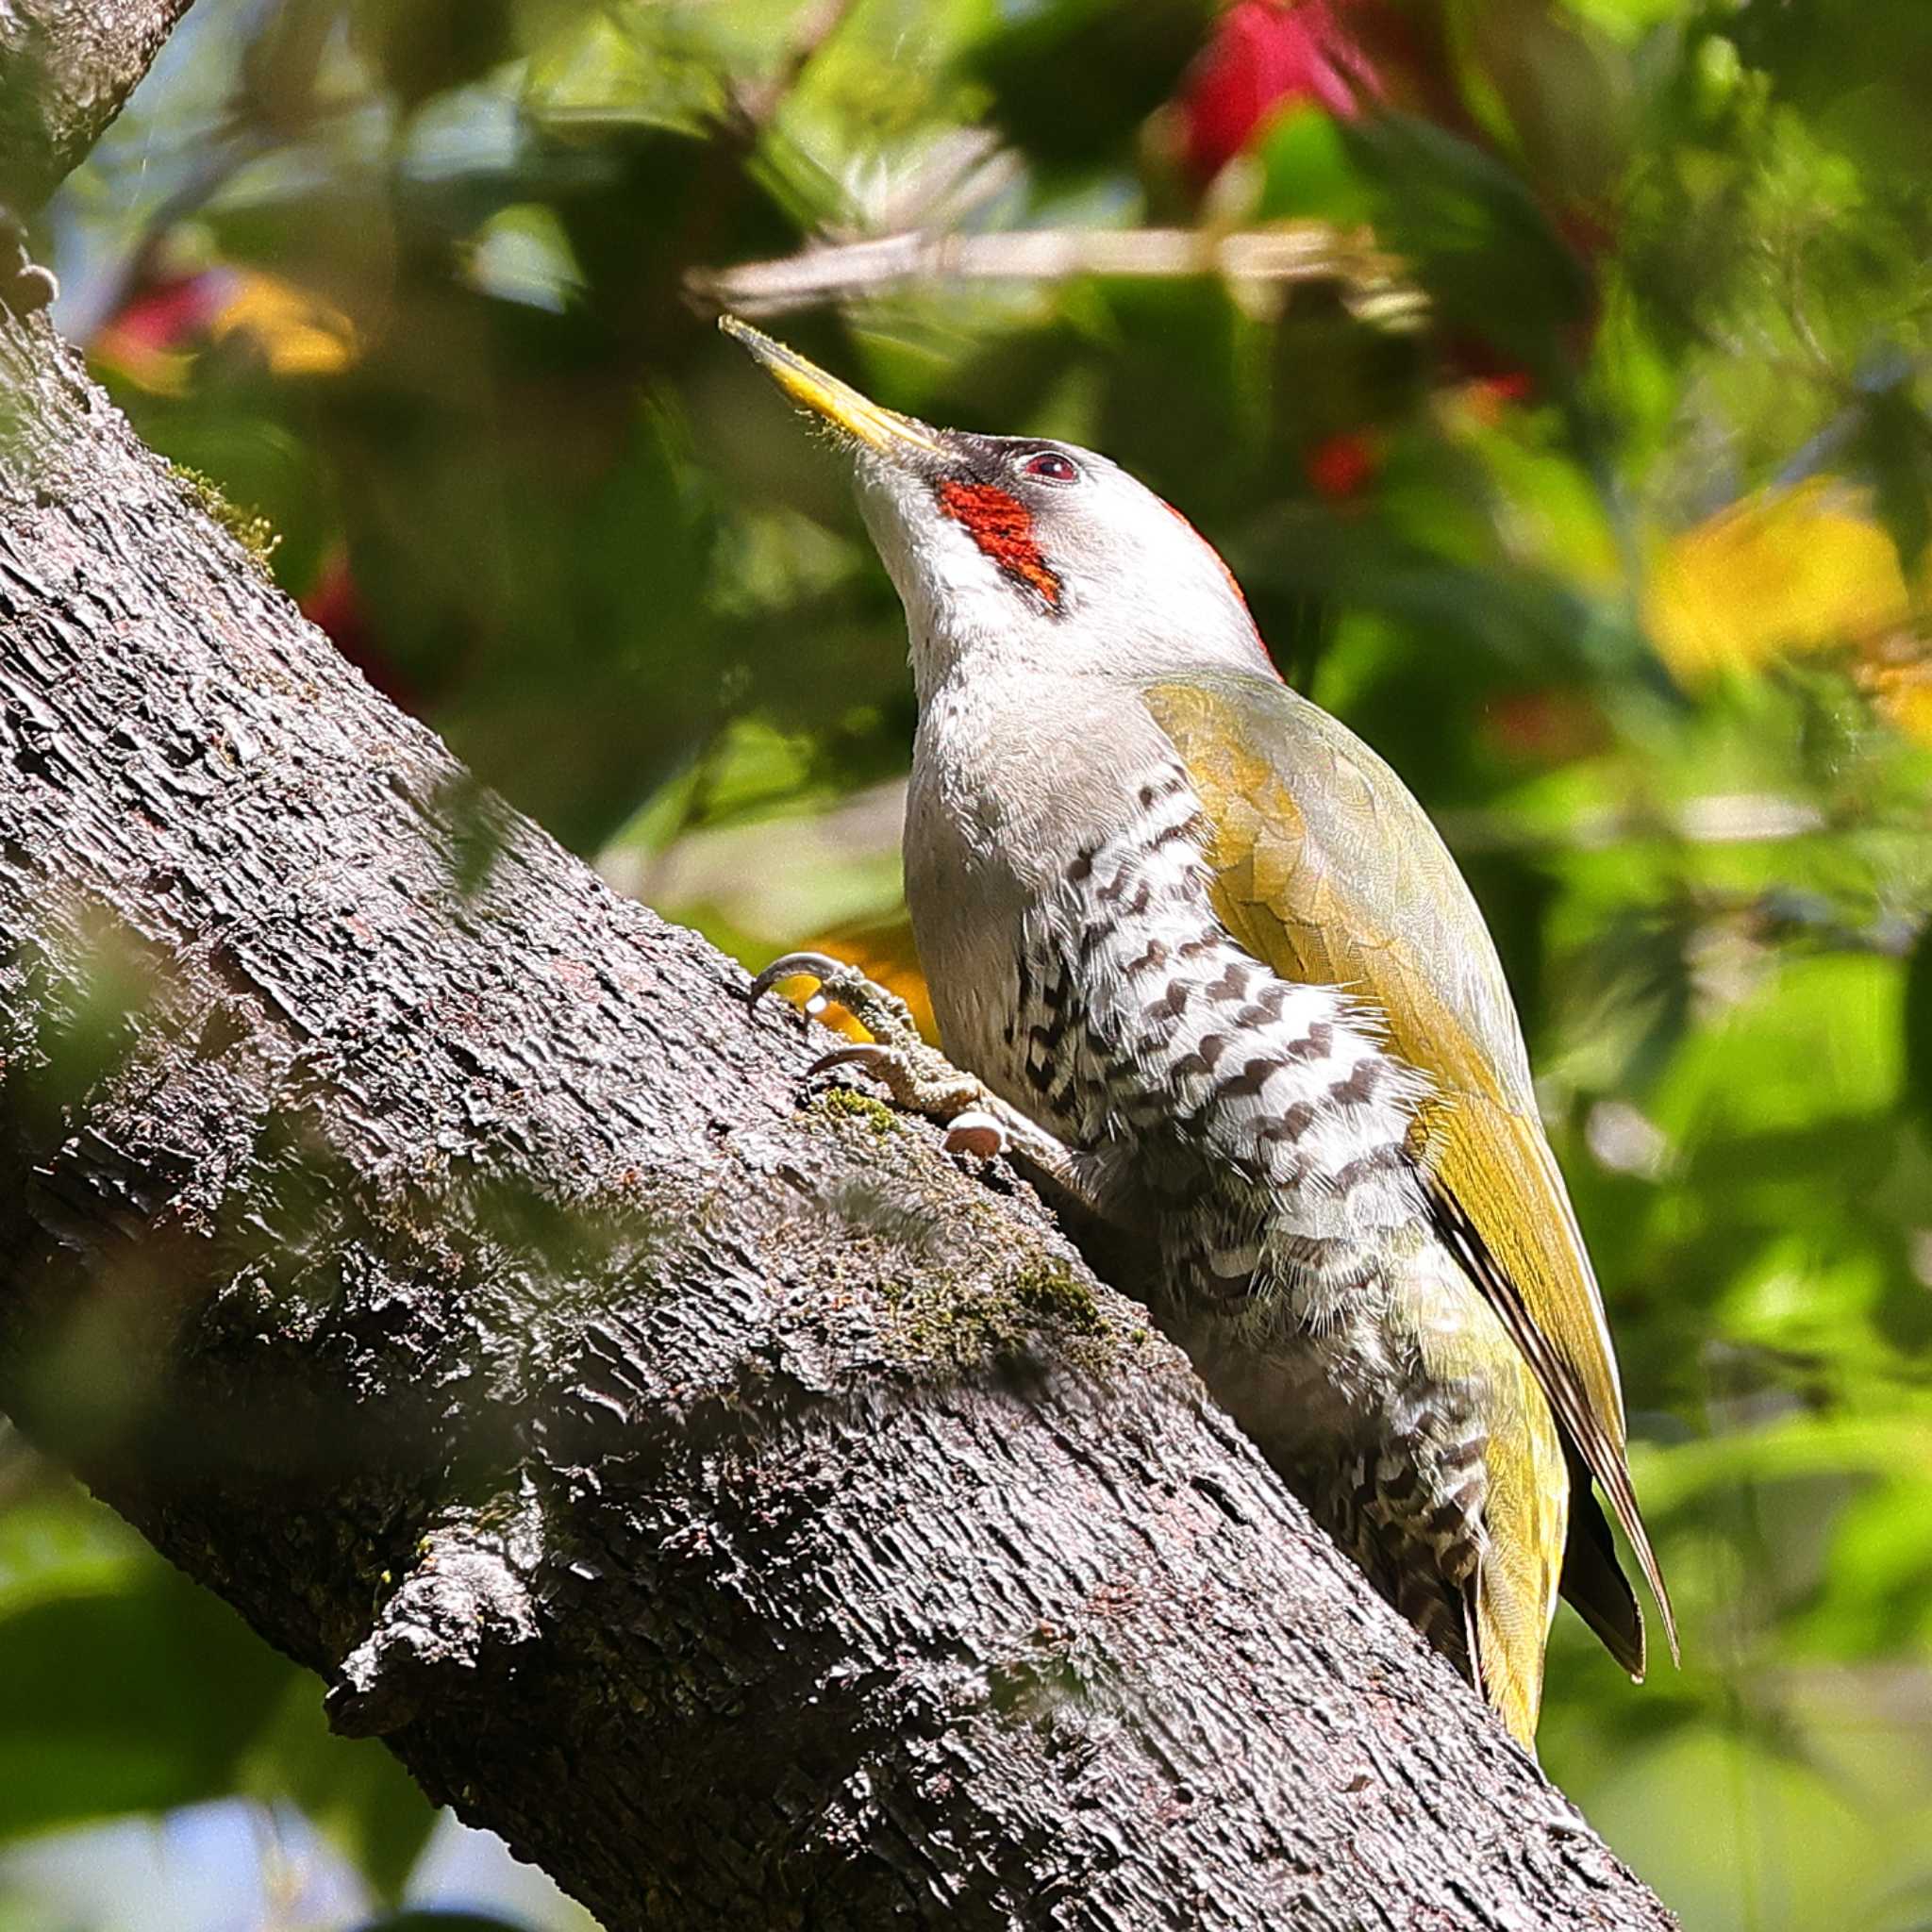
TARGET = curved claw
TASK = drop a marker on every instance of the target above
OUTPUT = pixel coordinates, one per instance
(870, 1057)
(819, 966)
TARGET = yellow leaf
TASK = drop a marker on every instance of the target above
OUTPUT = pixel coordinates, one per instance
(1904, 695)
(1782, 570)
(298, 333)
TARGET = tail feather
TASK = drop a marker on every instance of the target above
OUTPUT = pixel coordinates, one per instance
(1594, 1581)
(1509, 1650)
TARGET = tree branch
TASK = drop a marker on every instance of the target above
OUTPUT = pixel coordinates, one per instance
(66, 67)
(1262, 259)
(738, 1508)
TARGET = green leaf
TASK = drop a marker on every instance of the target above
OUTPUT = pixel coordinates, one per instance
(1072, 80)
(424, 47)
(1917, 1086)
(353, 1789)
(1493, 263)
(130, 1690)
(1308, 169)
(1895, 442)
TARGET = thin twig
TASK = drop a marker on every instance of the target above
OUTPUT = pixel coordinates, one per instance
(1744, 818)
(1303, 252)
(758, 103)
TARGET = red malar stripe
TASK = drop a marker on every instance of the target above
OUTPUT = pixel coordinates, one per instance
(1002, 526)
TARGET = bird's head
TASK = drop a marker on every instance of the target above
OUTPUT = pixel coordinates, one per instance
(1025, 552)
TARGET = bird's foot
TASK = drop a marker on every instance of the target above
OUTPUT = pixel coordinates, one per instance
(883, 1015)
(922, 1080)
(919, 1078)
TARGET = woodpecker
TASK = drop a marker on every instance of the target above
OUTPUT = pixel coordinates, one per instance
(1197, 954)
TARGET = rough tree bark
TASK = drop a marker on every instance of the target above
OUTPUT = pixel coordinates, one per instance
(755, 1519)
(65, 68)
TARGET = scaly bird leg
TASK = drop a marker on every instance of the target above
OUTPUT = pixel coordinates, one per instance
(922, 1080)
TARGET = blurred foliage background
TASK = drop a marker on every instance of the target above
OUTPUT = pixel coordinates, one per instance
(1554, 373)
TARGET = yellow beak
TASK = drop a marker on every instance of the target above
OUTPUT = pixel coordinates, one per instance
(839, 403)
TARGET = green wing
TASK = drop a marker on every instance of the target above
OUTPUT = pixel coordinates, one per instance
(1330, 872)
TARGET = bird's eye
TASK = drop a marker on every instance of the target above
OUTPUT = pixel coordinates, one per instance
(1054, 467)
